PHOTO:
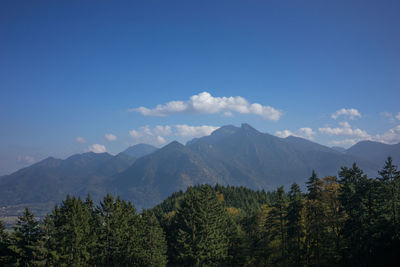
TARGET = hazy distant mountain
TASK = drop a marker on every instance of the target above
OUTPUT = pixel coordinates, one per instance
(375, 152)
(139, 150)
(146, 175)
(339, 149)
(50, 179)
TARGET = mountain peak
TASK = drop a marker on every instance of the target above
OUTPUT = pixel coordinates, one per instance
(215, 136)
(174, 144)
(249, 129)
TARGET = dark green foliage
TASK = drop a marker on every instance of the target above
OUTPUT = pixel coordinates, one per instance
(27, 242)
(154, 245)
(201, 223)
(5, 252)
(355, 202)
(118, 233)
(350, 221)
(296, 231)
(73, 236)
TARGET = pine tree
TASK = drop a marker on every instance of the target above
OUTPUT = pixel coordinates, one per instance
(355, 200)
(388, 213)
(315, 221)
(5, 253)
(280, 210)
(49, 241)
(334, 218)
(390, 196)
(296, 231)
(72, 232)
(119, 239)
(154, 243)
(27, 242)
(201, 222)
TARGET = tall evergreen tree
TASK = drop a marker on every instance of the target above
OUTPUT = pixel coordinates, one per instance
(5, 253)
(388, 205)
(315, 221)
(201, 224)
(154, 243)
(355, 200)
(72, 232)
(119, 240)
(389, 178)
(27, 242)
(296, 231)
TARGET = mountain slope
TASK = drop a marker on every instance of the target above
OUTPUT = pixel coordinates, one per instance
(375, 152)
(169, 169)
(139, 150)
(50, 179)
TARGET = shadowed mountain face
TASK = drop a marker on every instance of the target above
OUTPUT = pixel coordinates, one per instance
(49, 180)
(146, 175)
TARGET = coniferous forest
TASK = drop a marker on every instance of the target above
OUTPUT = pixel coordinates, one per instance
(349, 220)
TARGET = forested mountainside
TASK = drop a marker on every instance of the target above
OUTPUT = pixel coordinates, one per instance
(352, 220)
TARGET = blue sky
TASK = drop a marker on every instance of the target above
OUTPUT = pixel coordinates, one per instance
(72, 69)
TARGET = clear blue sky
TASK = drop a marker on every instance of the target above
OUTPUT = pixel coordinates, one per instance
(72, 69)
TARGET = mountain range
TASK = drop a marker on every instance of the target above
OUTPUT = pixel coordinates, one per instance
(146, 175)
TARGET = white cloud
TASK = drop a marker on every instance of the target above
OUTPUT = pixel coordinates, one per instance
(110, 137)
(147, 135)
(80, 139)
(205, 103)
(392, 136)
(304, 132)
(345, 130)
(162, 130)
(156, 135)
(398, 116)
(135, 133)
(161, 140)
(351, 113)
(344, 142)
(194, 131)
(96, 148)
(26, 159)
(284, 133)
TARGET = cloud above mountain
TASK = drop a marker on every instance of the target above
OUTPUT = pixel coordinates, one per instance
(345, 130)
(97, 148)
(156, 135)
(304, 132)
(80, 139)
(350, 113)
(110, 137)
(205, 103)
(185, 130)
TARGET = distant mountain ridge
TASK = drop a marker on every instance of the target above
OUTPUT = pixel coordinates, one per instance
(49, 180)
(375, 151)
(146, 175)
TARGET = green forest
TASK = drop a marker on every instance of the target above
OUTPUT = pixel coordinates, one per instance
(349, 220)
